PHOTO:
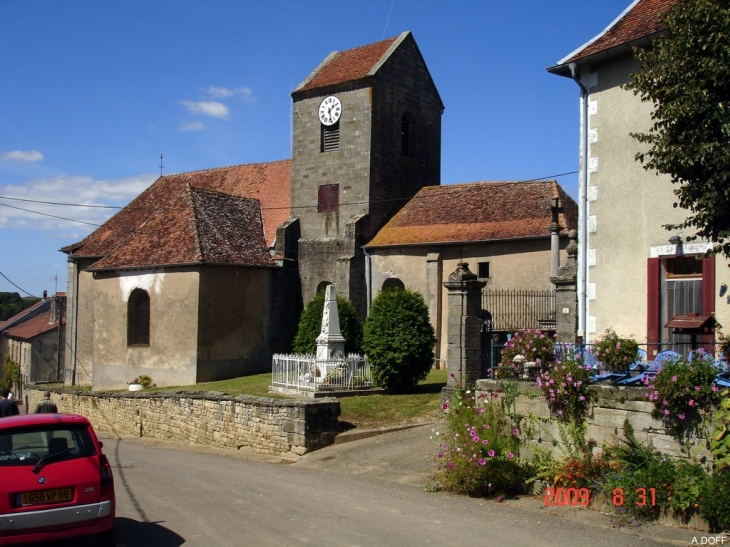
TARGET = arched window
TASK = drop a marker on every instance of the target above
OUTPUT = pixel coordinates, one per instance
(323, 286)
(138, 318)
(406, 126)
(393, 284)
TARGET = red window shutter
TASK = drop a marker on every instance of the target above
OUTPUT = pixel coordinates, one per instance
(328, 198)
(708, 297)
(653, 305)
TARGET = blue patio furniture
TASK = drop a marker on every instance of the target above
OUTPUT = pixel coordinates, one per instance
(633, 367)
(652, 370)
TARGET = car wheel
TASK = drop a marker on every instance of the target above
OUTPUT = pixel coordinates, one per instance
(107, 539)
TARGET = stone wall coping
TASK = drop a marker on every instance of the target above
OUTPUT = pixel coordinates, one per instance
(625, 393)
(200, 395)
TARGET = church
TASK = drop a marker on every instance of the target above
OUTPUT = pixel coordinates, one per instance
(203, 275)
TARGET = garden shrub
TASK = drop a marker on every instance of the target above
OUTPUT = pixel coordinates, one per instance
(682, 389)
(310, 326)
(11, 373)
(398, 340)
(616, 353)
(479, 453)
(715, 504)
(719, 437)
(533, 344)
(565, 388)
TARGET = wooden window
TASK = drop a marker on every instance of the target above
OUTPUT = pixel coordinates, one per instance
(330, 138)
(684, 266)
(328, 198)
(138, 318)
(483, 270)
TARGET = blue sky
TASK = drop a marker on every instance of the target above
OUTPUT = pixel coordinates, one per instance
(92, 92)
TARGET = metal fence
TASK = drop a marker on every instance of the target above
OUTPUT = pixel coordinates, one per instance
(306, 373)
(518, 309)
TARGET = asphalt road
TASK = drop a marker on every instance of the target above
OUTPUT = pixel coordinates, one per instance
(340, 496)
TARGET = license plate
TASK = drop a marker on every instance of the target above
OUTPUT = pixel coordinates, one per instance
(44, 497)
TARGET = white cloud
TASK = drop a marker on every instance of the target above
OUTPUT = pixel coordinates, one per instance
(191, 126)
(246, 93)
(208, 108)
(67, 189)
(22, 155)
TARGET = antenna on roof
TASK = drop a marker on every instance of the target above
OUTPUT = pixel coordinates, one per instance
(161, 166)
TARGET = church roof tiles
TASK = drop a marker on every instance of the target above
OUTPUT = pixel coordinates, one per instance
(268, 183)
(195, 227)
(350, 65)
(477, 212)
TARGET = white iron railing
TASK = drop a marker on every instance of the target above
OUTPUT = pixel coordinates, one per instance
(306, 373)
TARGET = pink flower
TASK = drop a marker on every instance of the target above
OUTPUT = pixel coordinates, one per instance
(691, 403)
(515, 431)
(697, 388)
(666, 412)
(481, 462)
(472, 433)
(490, 453)
(445, 406)
(475, 439)
(451, 465)
(480, 411)
(485, 441)
(510, 455)
(681, 416)
(674, 378)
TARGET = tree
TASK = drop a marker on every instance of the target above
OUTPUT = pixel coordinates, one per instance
(398, 340)
(310, 325)
(685, 75)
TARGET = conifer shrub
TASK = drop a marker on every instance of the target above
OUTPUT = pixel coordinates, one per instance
(398, 340)
(310, 325)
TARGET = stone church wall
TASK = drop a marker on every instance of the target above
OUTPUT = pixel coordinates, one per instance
(267, 426)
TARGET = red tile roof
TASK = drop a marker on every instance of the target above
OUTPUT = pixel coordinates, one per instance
(19, 317)
(269, 183)
(641, 19)
(347, 66)
(481, 211)
(195, 227)
(33, 327)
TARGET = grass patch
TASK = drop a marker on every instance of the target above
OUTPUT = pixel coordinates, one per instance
(256, 384)
(361, 411)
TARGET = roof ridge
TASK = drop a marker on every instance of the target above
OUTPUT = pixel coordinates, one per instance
(198, 247)
(485, 182)
(223, 167)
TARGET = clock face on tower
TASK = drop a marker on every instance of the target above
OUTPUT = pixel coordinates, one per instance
(330, 110)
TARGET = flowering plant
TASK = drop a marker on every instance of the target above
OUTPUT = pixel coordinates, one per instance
(533, 345)
(683, 388)
(143, 379)
(565, 388)
(616, 353)
(479, 453)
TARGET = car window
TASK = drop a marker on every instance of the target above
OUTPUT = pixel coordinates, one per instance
(26, 446)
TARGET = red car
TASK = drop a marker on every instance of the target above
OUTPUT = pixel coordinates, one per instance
(55, 482)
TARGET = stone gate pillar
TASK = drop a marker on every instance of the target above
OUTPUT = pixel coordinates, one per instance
(463, 356)
(566, 296)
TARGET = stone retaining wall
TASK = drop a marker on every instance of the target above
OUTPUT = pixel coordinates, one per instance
(610, 407)
(267, 426)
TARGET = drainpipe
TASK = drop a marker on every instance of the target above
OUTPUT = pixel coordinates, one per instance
(583, 206)
(368, 280)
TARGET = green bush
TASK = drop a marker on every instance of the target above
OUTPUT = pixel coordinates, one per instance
(398, 340)
(310, 325)
(11, 373)
(715, 505)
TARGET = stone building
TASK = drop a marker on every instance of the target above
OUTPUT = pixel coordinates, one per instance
(203, 276)
(631, 276)
(37, 345)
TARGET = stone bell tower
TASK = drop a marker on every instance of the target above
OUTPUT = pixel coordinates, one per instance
(367, 137)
